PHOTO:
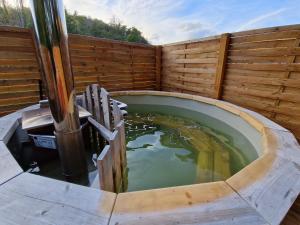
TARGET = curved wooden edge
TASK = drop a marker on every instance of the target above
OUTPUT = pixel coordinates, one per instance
(270, 184)
(210, 203)
(262, 192)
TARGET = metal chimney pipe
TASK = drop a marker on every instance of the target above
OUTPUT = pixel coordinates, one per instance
(52, 40)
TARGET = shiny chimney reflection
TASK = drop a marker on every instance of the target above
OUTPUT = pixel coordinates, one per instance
(52, 39)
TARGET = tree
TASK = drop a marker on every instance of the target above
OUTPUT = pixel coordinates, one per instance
(134, 35)
(76, 24)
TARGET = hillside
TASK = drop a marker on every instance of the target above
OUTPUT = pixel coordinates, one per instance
(77, 24)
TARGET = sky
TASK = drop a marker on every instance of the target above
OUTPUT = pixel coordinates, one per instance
(167, 21)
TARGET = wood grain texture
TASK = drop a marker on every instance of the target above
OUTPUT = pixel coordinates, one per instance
(260, 73)
(188, 205)
(19, 70)
(105, 170)
(38, 200)
(9, 167)
(275, 180)
(221, 66)
(190, 67)
(262, 70)
(94, 60)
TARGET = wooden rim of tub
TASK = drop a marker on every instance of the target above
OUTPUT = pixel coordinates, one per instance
(274, 172)
(261, 193)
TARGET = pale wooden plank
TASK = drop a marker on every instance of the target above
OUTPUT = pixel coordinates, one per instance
(211, 203)
(270, 185)
(282, 143)
(38, 200)
(105, 169)
(122, 142)
(8, 125)
(105, 99)
(104, 132)
(117, 114)
(114, 143)
(9, 167)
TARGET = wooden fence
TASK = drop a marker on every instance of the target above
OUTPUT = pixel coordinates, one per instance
(19, 70)
(190, 67)
(115, 65)
(263, 74)
(257, 69)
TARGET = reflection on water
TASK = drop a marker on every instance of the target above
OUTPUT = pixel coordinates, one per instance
(168, 149)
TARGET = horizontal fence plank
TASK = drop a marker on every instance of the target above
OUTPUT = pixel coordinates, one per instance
(266, 52)
(293, 34)
(94, 60)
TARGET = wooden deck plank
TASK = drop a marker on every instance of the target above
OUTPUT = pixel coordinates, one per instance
(9, 167)
(7, 128)
(270, 185)
(284, 144)
(32, 199)
(185, 205)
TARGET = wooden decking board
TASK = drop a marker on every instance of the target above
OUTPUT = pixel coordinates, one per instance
(261, 193)
(283, 142)
(7, 128)
(32, 199)
(270, 185)
(185, 205)
(9, 168)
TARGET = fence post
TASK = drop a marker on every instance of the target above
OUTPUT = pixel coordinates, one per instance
(158, 59)
(221, 67)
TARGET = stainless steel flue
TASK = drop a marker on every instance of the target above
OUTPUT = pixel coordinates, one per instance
(52, 38)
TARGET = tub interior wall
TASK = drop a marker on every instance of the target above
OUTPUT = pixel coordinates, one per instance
(223, 120)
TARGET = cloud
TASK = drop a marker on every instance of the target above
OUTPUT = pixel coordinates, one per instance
(190, 26)
(158, 20)
(255, 21)
(166, 21)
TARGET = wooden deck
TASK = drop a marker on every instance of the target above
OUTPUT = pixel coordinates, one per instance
(261, 193)
(31, 199)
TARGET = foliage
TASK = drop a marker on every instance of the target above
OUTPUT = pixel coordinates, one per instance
(76, 24)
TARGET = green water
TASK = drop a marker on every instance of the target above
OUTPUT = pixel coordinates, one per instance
(169, 146)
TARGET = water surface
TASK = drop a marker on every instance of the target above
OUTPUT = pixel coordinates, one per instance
(169, 146)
